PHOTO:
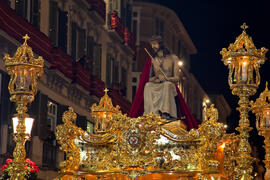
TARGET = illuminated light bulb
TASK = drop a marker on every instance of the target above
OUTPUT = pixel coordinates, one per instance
(180, 63)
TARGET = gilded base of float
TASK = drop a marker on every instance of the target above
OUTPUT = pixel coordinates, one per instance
(153, 176)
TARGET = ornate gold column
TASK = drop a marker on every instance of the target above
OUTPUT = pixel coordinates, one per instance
(262, 110)
(243, 61)
(24, 70)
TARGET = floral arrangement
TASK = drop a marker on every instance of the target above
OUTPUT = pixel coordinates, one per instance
(31, 169)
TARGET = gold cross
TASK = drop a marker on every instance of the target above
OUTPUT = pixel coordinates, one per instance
(26, 37)
(106, 90)
(244, 26)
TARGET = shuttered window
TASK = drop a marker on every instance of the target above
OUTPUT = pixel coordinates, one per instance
(109, 70)
(63, 29)
(90, 47)
(21, 8)
(74, 41)
(81, 43)
(97, 60)
(35, 13)
(53, 22)
(52, 114)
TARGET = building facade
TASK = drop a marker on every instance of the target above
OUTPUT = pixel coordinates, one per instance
(86, 47)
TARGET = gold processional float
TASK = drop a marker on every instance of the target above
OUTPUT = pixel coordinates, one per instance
(149, 147)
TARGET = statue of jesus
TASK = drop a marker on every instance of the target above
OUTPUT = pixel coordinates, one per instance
(160, 91)
(157, 91)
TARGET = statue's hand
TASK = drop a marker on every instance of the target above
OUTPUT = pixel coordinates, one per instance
(162, 78)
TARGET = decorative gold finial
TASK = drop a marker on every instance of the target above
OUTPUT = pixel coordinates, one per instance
(266, 86)
(244, 26)
(106, 91)
(26, 37)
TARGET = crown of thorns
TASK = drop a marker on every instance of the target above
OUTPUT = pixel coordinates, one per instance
(156, 38)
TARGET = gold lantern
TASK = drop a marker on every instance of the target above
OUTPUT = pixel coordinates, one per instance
(261, 108)
(24, 70)
(103, 113)
(243, 61)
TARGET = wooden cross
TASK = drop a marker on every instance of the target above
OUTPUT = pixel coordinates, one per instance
(244, 26)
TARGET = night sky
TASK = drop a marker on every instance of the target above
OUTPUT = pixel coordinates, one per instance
(215, 24)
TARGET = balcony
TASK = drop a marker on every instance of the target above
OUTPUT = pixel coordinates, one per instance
(117, 25)
(129, 39)
(123, 32)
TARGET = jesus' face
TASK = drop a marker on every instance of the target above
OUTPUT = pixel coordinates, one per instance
(155, 45)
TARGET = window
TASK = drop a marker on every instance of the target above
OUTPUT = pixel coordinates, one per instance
(52, 115)
(90, 48)
(128, 16)
(159, 25)
(116, 73)
(34, 13)
(62, 30)
(97, 60)
(134, 88)
(73, 41)
(29, 10)
(58, 26)
(21, 8)
(135, 25)
(110, 69)
(124, 81)
(81, 43)
(53, 22)
(134, 28)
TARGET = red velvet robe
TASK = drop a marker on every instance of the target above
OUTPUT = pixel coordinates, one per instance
(137, 107)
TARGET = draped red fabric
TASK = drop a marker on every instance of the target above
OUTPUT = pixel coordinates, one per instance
(184, 110)
(137, 107)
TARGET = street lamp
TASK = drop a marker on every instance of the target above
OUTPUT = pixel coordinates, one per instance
(24, 69)
(243, 61)
(28, 125)
(261, 108)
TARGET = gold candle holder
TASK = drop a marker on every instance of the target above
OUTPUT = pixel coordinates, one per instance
(243, 61)
(261, 108)
(24, 70)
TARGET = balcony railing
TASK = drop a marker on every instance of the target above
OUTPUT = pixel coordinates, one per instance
(99, 6)
(117, 24)
(129, 39)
